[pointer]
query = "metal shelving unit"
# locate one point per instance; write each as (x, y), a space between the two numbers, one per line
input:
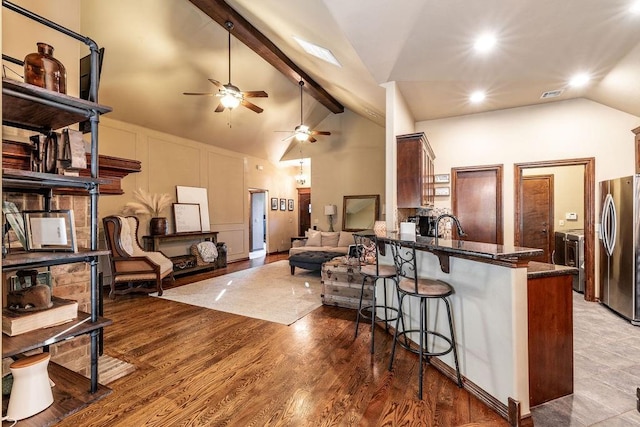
(36, 109)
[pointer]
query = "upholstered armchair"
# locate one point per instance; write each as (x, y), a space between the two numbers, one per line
(130, 264)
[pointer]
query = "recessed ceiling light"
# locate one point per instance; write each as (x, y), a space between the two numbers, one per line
(477, 96)
(579, 80)
(635, 7)
(485, 43)
(318, 51)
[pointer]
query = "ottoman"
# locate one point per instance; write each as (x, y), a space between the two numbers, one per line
(311, 260)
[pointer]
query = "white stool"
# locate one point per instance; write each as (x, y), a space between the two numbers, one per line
(31, 390)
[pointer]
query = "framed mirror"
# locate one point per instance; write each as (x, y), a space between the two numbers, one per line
(360, 212)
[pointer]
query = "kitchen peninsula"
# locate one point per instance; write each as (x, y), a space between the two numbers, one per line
(490, 308)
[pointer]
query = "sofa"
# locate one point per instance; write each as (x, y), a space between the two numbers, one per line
(325, 241)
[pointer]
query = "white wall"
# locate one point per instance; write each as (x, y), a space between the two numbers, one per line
(560, 130)
(351, 164)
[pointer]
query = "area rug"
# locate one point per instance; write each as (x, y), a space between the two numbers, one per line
(111, 368)
(268, 292)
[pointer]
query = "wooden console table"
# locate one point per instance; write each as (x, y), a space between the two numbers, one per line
(152, 243)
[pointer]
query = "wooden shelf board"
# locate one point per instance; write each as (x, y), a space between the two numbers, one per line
(28, 179)
(22, 259)
(193, 269)
(35, 114)
(12, 346)
(70, 395)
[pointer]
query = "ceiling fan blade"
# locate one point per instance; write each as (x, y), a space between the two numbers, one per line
(320, 132)
(289, 137)
(312, 139)
(219, 108)
(197, 93)
(217, 83)
(251, 106)
(255, 94)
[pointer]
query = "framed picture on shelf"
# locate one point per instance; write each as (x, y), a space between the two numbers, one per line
(15, 220)
(441, 179)
(283, 204)
(50, 231)
(442, 191)
(274, 203)
(187, 217)
(290, 204)
(23, 281)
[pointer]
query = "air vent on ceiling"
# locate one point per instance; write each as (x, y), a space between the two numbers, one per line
(551, 93)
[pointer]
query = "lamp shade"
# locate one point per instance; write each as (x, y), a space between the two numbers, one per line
(330, 210)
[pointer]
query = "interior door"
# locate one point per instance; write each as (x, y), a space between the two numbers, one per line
(536, 222)
(257, 228)
(477, 202)
(304, 211)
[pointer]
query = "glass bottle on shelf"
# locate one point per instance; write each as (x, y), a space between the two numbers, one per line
(43, 70)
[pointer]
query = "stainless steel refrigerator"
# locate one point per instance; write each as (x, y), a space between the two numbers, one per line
(620, 246)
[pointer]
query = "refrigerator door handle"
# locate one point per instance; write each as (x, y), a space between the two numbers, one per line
(609, 224)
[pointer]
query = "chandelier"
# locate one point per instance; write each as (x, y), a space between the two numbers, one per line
(300, 178)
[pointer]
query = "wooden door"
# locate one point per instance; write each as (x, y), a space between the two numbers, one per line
(304, 216)
(477, 202)
(536, 221)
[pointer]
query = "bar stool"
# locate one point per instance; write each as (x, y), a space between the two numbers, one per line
(366, 254)
(409, 284)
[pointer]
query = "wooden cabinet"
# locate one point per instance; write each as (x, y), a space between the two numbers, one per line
(414, 171)
(550, 318)
(35, 109)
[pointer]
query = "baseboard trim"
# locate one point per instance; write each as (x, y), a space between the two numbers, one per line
(510, 412)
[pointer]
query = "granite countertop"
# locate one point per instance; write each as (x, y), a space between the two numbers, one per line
(540, 269)
(465, 248)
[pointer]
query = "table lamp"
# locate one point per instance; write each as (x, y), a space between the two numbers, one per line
(330, 211)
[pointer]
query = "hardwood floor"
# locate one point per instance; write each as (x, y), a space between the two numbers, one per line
(201, 367)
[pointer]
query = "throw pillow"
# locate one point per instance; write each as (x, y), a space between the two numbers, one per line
(329, 238)
(346, 239)
(315, 238)
(208, 251)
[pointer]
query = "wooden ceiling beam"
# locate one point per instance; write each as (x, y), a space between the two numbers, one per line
(221, 12)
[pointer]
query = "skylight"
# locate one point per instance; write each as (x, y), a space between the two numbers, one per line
(318, 51)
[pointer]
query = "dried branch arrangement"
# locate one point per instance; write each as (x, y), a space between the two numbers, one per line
(147, 204)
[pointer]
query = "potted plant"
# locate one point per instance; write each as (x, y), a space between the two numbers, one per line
(152, 205)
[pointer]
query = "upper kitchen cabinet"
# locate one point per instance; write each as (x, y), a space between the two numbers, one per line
(415, 171)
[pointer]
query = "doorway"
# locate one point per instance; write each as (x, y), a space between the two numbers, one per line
(304, 210)
(588, 213)
(257, 223)
(537, 219)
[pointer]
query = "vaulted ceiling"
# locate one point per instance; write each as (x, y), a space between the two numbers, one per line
(158, 49)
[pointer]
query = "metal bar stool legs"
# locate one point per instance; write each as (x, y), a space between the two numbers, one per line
(374, 307)
(423, 332)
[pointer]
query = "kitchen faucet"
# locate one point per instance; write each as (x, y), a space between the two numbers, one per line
(461, 233)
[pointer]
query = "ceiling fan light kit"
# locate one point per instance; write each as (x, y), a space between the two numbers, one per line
(231, 96)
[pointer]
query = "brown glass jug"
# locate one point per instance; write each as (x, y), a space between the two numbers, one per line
(43, 70)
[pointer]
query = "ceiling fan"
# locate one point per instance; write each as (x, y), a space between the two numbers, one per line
(302, 132)
(230, 96)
